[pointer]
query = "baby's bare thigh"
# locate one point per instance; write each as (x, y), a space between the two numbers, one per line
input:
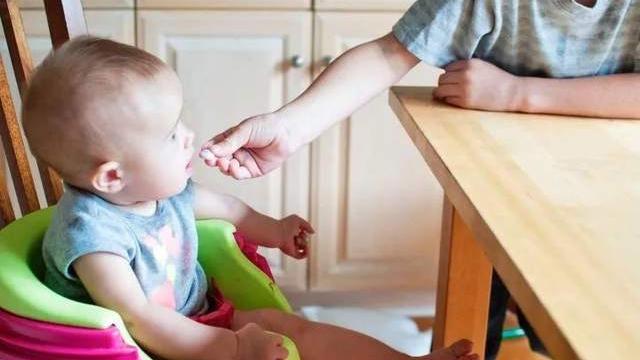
(272, 320)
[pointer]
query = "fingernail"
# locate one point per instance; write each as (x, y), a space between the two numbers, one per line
(206, 154)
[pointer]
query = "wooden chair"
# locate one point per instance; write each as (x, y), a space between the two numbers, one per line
(35, 322)
(65, 18)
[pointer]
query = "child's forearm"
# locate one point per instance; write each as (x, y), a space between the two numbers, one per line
(161, 330)
(260, 228)
(173, 336)
(257, 227)
(611, 96)
(347, 84)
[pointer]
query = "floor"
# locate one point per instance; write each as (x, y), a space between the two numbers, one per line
(517, 349)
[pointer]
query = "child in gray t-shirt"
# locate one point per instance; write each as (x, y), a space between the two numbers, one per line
(161, 247)
(572, 57)
(106, 117)
(517, 46)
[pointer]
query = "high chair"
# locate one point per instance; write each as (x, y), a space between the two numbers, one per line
(37, 323)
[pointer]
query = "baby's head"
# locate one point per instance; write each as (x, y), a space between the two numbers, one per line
(106, 117)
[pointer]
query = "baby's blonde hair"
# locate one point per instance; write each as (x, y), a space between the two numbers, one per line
(76, 95)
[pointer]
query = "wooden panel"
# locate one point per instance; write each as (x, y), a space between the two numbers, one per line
(363, 4)
(226, 4)
(554, 202)
(376, 206)
(234, 65)
(464, 286)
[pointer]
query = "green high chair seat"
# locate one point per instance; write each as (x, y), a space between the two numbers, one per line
(22, 293)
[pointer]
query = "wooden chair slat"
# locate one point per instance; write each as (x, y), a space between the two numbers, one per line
(22, 68)
(16, 42)
(51, 183)
(15, 149)
(6, 210)
(66, 20)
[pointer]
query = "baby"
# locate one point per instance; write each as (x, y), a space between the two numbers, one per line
(106, 117)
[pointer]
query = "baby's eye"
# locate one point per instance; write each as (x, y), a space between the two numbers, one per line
(174, 136)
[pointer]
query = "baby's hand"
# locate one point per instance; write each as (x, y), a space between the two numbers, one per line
(295, 231)
(257, 344)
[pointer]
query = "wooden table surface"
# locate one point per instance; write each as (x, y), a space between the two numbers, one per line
(554, 203)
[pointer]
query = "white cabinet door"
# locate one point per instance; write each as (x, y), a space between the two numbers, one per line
(363, 4)
(114, 24)
(376, 206)
(234, 64)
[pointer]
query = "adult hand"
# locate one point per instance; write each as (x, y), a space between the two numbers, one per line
(250, 149)
(477, 84)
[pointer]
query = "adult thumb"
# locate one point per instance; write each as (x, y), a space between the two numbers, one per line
(231, 140)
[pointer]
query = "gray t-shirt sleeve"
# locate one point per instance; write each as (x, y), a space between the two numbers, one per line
(439, 32)
(86, 233)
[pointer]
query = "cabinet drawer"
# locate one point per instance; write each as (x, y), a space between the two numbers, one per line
(225, 4)
(363, 4)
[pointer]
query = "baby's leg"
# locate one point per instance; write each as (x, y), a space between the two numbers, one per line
(322, 341)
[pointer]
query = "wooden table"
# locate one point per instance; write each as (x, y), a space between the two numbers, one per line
(554, 204)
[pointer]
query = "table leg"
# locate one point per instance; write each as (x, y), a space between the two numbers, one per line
(464, 285)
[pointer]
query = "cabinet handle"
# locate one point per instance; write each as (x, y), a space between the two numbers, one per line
(297, 61)
(326, 60)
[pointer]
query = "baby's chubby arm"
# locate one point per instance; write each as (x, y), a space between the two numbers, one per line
(288, 234)
(477, 84)
(111, 283)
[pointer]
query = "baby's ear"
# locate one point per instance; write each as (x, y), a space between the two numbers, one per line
(107, 178)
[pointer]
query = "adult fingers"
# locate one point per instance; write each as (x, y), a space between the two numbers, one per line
(228, 142)
(451, 77)
(457, 65)
(444, 91)
(247, 160)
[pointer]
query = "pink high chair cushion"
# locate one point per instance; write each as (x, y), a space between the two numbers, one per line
(22, 338)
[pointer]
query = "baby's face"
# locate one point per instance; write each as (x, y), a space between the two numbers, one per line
(158, 160)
